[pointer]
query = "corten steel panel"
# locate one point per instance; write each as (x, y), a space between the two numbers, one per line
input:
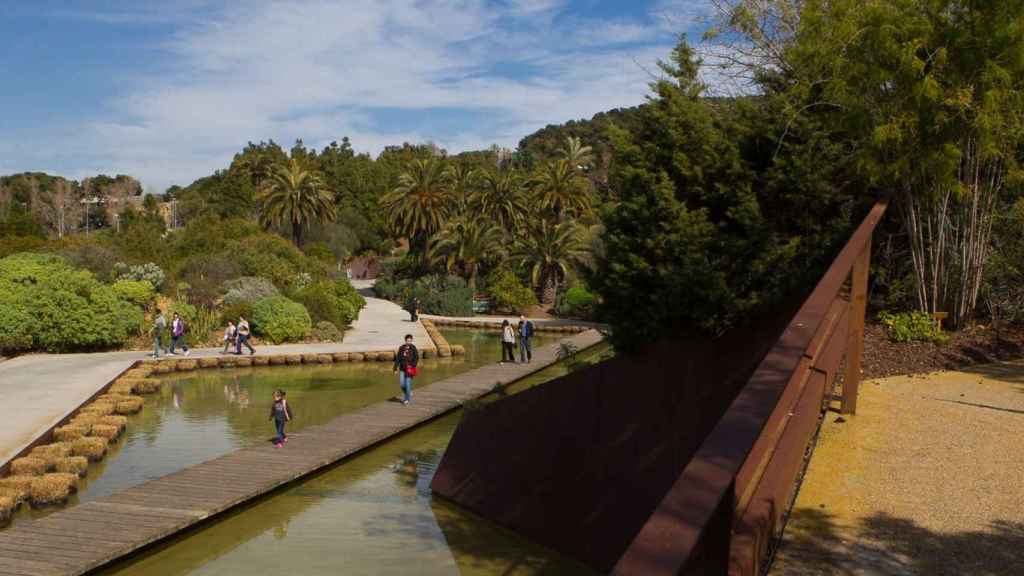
(670, 537)
(578, 464)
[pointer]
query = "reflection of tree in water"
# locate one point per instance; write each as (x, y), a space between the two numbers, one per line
(413, 466)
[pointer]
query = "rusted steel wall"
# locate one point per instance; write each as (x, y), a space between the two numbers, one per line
(753, 455)
(578, 464)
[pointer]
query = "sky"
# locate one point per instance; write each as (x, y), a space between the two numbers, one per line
(169, 91)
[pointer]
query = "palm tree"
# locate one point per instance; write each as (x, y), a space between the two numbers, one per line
(559, 188)
(502, 198)
(421, 202)
(461, 179)
(465, 242)
(549, 249)
(579, 157)
(296, 196)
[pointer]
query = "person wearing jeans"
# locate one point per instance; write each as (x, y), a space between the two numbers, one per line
(177, 335)
(159, 325)
(508, 343)
(242, 333)
(406, 360)
(525, 333)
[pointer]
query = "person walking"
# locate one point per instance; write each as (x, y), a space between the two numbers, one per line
(525, 333)
(178, 329)
(407, 358)
(414, 310)
(280, 413)
(242, 336)
(508, 342)
(159, 325)
(230, 333)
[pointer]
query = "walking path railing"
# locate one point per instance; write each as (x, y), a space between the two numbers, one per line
(727, 507)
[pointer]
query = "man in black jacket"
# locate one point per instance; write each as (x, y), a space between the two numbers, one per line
(406, 359)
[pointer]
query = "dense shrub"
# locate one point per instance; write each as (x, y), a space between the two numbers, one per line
(438, 294)
(138, 292)
(279, 319)
(93, 257)
(508, 292)
(335, 302)
(69, 308)
(577, 302)
(149, 272)
(235, 311)
(248, 289)
(911, 326)
(273, 257)
(14, 244)
(16, 324)
(320, 251)
(206, 274)
(327, 332)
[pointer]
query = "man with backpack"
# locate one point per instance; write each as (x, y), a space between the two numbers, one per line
(525, 333)
(178, 329)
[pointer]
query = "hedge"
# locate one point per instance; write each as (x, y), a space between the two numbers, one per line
(279, 319)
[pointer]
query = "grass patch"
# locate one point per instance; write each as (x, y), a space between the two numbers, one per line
(29, 466)
(7, 506)
(17, 486)
(92, 448)
(99, 408)
(71, 432)
(121, 422)
(77, 465)
(53, 450)
(140, 372)
(86, 420)
(110, 433)
(129, 405)
(52, 488)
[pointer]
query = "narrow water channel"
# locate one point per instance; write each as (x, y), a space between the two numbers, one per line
(371, 514)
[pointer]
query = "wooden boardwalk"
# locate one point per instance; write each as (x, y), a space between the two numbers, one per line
(96, 533)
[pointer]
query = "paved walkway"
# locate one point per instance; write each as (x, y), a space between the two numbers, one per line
(40, 390)
(927, 478)
(89, 535)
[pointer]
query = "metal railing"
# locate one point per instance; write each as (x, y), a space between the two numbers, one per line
(726, 507)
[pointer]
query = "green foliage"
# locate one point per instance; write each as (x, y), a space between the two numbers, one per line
(248, 289)
(295, 195)
(327, 332)
(82, 252)
(508, 292)
(138, 292)
(335, 302)
(14, 244)
(69, 308)
(273, 257)
(148, 272)
(16, 323)
(278, 319)
(235, 311)
(911, 326)
(320, 251)
(183, 309)
(576, 302)
(437, 293)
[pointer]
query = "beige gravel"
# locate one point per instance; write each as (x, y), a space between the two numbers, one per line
(927, 478)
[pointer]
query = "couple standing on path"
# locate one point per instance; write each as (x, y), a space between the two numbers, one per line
(237, 336)
(178, 330)
(508, 341)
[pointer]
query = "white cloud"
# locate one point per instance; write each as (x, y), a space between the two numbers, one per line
(314, 70)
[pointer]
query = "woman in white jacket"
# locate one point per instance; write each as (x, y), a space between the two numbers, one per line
(508, 343)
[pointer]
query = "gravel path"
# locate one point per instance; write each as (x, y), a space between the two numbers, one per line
(927, 478)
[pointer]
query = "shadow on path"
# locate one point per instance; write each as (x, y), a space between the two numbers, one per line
(883, 544)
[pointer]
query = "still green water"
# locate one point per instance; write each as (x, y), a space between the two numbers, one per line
(371, 514)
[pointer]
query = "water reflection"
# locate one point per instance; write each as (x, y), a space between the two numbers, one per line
(372, 514)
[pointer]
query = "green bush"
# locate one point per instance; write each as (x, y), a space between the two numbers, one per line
(327, 332)
(273, 257)
(438, 294)
(320, 251)
(248, 289)
(335, 302)
(138, 292)
(279, 319)
(149, 272)
(235, 311)
(911, 326)
(576, 302)
(69, 308)
(508, 292)
(16, 325)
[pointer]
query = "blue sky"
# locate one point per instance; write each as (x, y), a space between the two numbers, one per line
(169, 91)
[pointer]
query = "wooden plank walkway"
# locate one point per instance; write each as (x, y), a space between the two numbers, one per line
(93, 534)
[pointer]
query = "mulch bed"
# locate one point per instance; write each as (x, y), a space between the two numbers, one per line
(967, 347)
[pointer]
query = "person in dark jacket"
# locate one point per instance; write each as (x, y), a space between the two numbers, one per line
(525, 334)
(280, 413)
(406, 360)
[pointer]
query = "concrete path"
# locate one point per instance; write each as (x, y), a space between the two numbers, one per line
(927, 478)
(40, 390)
